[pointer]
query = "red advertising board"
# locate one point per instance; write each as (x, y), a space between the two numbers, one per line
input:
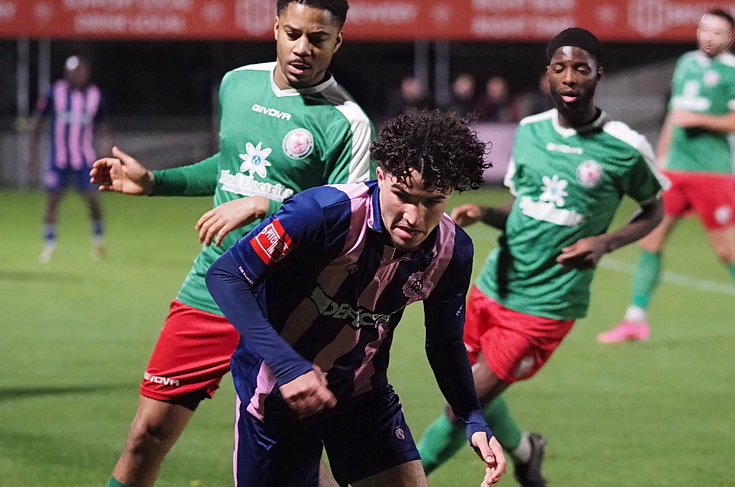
(490, 20)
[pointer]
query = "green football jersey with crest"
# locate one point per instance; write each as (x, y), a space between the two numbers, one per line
(273, 143)
(702, 85)
(568, 184)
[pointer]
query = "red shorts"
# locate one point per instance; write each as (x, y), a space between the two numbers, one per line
(192, 353)
(711, 195)
(516, 345)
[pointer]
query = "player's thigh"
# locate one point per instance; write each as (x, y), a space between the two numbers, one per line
(280, 453)
(367, 437)
(159, 419)
(409, 474)
(723, 242)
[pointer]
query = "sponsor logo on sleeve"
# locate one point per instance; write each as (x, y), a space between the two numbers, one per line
(272, 243)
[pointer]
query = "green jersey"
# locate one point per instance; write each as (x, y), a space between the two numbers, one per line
(273, 143)
(702, 85)
(567, 185)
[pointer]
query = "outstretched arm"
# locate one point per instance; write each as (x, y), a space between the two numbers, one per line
(716, 123)
(585, 253)
(122, 173)
(495, 216)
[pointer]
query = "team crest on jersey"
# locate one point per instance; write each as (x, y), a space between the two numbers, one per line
(711, 78)
(272, 243)
(255, 159)
(417, 286)
(298, 143)
(589, 173)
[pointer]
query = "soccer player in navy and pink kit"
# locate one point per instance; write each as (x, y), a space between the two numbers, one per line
(77, 110)
(285, 126)
(316, 292)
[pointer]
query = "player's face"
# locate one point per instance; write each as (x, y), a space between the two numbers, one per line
(78, 76)
(409, 212)
(573, 76)
(306, 40)
(714, 35)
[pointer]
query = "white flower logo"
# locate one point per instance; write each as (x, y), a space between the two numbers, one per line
(554, 190)
(255, 159)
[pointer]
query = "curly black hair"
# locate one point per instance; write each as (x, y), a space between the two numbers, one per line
(440, 145)
(338, 8)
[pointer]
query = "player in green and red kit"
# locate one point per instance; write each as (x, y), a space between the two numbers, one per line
(694, 150)
(570, 168)
(285, 126)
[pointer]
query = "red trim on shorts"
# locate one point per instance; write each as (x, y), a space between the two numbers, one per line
(192, 353)
(516, 345)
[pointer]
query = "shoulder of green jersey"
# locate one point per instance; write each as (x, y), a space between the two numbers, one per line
(623, 132)
(727, 58)
(268, 66)
(640, 143)
(538, 117)
(343, 102)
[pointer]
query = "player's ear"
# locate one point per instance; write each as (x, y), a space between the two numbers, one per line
(338, 43)
(276, 24)
(599, 73)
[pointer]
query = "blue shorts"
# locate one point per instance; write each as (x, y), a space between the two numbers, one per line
(362, 437)
(55, 179)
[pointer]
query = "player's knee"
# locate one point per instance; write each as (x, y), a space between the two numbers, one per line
(146, 436)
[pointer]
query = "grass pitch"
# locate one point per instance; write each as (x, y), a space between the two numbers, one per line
(76, 335)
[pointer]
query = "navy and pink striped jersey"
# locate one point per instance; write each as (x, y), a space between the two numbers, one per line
(319, 282)
(74, 114)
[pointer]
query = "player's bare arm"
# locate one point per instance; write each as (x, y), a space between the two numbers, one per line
(716, 123)
(229, 216)
(587, 252)
(495, 216)
(122, 173)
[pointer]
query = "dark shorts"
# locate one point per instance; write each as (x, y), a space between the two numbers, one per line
(192, 354)
(516, 345)
(55, 179)
(710, 195)
(362, 438)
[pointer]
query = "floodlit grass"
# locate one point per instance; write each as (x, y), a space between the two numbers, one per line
(76, 335)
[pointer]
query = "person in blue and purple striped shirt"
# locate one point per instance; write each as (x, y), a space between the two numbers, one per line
(316, 291)
(77, 110)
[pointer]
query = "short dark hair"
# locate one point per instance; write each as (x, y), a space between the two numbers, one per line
(577, 37)
(718, 12)
(440, 145)
(338, 8)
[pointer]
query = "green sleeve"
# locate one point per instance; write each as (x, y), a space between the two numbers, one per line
(199, 179)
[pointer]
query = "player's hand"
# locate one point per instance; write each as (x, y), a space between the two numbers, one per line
(466, 215)
(228, 216)
(121, 173)
(308, 394)
(492, 454)
(585, 253)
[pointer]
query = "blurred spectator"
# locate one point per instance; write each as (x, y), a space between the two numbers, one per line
(538, 100)
(496, 104)
(411, 94)
(463, 100)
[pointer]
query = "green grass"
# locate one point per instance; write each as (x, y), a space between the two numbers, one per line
(76, 335)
